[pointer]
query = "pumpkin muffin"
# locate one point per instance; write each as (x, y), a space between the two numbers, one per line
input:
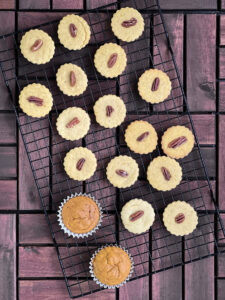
(111, 266)
(80, 215)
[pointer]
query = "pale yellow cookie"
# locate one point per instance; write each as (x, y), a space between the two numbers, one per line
(80, 163)
(154, 86)
(64, 81)
(104, 55)
(30, 49)
(122, 171)
(127, 24)
(110, 111)
(177, 141)
(180, 218)
(30, 106)
(164, 173)
(73, 123)
(141, 137)
(82, 32)
(137, 216)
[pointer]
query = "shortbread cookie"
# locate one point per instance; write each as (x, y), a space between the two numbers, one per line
(110, 111)
(180, 218)
(137, 216)
(71, 80)
(73, 123)
(141, 137)
(164, 173)
(154, 86)
(35, 100)
(37, 46)
(80, 163)
(74, 32)
(127, 24)
(177, 141)
(122, 171)
(110, 60)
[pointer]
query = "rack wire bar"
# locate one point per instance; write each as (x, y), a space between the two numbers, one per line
(153, 251)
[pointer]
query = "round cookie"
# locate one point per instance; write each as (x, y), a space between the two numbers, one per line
(65, 82)
(122, 171)
(137, 216)
(180, 218)
(154, 86)
(141, 137)
(37, 46)
(177, 141)
(164, 173)
(80, 163)
(35, 100)
(73, 123)
(127, 24)
(110, 111)
(110, 60)
(77, 37)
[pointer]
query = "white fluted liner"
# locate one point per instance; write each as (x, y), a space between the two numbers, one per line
(69, 232)
(105, 285)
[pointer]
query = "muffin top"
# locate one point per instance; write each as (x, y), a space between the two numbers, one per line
(111, 265)
(80, 214)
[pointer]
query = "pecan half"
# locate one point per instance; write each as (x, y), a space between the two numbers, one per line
(73, 30)
(155, 84)
(112, 60)
(179, 218)
(129, 23)
(72, 78)
(166, 173)
(177, 142)
(137, 215)
(109, 110)
(73, 122)
(143, 136)
(35, 100)
(121, 173)
(37, 45)
(80, 164)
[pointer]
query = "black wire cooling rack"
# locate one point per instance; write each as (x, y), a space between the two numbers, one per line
(153, 251)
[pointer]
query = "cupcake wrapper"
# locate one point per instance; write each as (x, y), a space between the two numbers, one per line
(105, 285)
(66, 230)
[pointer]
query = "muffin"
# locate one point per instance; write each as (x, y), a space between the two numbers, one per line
(141, 137)
(80, 215)
(177, 142)
(111, 266)
(137, 216)
(180, 218)
(164, 173)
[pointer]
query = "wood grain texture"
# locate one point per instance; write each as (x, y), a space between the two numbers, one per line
(222, 96)
(191, 4)
(28, 193)
(201, 61)
(8, 188)
(167, 285)
(7, 4)
(67, 4)
(55, 290)
(98, 3)
(221, 283)
(221, 162)
(34, 4)
(8, 257)
(203, 124)
(222, 30)
(138, 289)
(7, 128)
(222, 63)
(7, 162)
(222, 4)
(199, 280)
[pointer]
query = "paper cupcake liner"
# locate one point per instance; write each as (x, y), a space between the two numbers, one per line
(69, 232)
(96, 279)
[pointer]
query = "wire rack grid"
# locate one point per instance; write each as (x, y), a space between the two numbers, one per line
(153, 251)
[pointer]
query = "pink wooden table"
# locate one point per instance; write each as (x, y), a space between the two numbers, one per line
(29, 268)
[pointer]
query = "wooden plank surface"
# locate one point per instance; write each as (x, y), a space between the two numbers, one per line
(201, 58)
(221, 162)
(33, 4)
(8, 188)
